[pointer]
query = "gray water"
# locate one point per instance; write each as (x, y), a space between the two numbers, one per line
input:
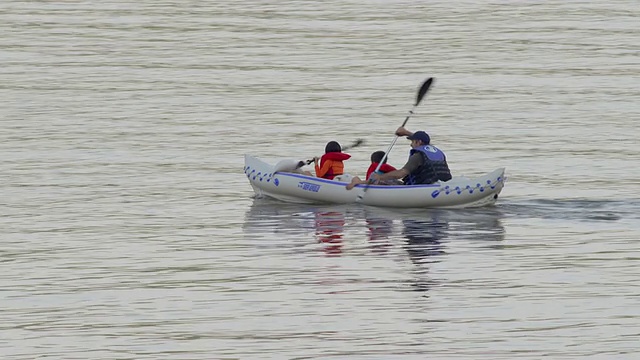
(130, 232)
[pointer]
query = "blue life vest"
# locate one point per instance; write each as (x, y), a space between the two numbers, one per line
(434, 166)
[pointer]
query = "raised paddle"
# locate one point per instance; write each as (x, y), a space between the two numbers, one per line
(421, 93)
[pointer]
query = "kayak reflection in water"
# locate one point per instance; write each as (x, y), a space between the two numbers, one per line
(379, 231)
(330, 230)
(424, 246)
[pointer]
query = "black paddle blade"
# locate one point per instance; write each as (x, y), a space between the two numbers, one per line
(356, 143)
(423, 90)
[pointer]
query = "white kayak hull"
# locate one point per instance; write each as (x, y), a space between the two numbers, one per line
(459, 192)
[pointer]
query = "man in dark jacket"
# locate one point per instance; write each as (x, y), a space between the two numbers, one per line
(426, 165)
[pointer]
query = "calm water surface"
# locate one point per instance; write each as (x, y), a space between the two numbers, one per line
(130, 232)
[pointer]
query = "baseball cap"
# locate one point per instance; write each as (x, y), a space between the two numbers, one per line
(420, 135)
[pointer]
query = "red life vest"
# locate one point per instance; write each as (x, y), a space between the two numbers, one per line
(385, 168)
(331, 165)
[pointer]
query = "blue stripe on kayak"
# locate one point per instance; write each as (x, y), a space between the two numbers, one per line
(326, 181)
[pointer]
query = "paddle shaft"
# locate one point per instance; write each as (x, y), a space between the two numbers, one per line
(424, 88)
(386, 154)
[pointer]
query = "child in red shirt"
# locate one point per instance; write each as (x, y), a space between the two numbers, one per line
(376, 157)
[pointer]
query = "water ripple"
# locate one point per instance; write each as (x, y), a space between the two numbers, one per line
(130, 232)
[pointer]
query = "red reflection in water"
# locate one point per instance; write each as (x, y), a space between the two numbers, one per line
(330, 230)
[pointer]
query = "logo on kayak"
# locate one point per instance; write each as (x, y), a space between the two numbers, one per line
(308, 186)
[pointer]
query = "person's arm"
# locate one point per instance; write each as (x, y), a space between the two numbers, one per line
(403, 132)
(412, 164)
(396, 174)
(322, 171)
